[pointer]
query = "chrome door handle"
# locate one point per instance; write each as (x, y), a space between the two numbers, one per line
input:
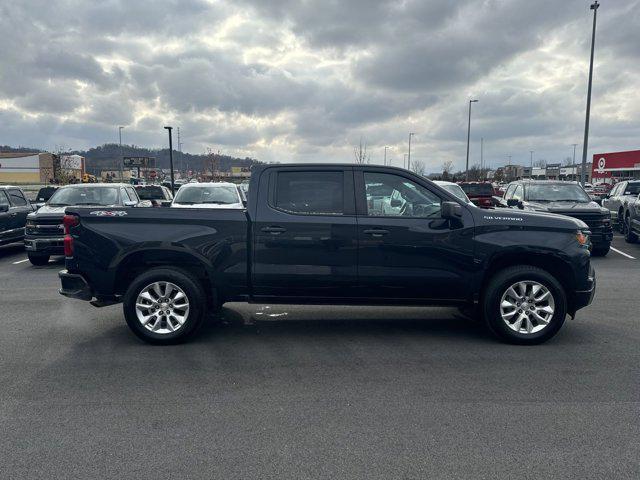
(376, 232)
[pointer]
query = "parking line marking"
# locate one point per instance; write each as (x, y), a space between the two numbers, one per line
(20, 261)
(623, 254)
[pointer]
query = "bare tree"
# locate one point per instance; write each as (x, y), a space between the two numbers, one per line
(541, 163)
(360, 152)
(567, 162)
(447, 168)
(210, 163)
(418, 167)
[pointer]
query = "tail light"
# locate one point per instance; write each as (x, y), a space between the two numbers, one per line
(69, 221)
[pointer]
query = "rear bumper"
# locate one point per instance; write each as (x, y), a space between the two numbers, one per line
(74, 286)
(583, 298)
(47, 245)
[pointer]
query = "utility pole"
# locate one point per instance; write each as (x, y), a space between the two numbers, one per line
(481, 153)
(574, 153)
(385, 156)
(468, 137)
(404, 161)
(409, 157)
(583, 170)
(121, 155)
(173, 190)
(531, 161)
(179, 149)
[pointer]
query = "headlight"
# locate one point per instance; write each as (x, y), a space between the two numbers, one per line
(583, 238)
(30, 224)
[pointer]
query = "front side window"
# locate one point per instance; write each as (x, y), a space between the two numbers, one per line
(4, 200)
(17, 199)
(403, 197)
(310, 193)
(509, 193)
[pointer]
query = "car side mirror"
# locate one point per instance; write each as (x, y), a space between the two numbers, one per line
(395, 202)
(4, 208)
(451, 211)
(512, 202)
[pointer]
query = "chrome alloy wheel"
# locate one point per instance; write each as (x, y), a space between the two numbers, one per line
(527, 307)
(162, 307)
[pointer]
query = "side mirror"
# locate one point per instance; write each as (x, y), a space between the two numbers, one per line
(395, 202)
(513, 202)
(451, 211)
(4, 208)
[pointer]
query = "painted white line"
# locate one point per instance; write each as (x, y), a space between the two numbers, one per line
(623, 254)
(21, 261)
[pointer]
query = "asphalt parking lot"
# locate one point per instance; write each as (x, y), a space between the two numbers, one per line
(371, 393)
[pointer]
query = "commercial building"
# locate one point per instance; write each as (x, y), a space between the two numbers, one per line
(615, 166)
(29, 167)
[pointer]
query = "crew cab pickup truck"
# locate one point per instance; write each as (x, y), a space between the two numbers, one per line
(620, 200)
(44, 231)
(14, 208)
(311, 235)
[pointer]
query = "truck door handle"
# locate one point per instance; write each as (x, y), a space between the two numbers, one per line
(273, 230)
(376, 232)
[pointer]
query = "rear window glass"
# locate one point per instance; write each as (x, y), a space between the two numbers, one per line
(310, 193)
(477, 188)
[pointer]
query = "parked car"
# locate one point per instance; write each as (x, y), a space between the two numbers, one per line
(618, 200)
(44, 194)
(453, 188)
(480, 193)
(600, 192)
(309, 235)
(158, 195)
(209, 195)
(14, 208)
(44, 233)
(632, 221)
(565, 198)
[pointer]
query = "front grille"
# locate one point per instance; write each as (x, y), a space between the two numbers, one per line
(596, 222)
(49, 227)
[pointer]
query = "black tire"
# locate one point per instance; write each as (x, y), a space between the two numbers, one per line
(499, 284)
(194, 292)
(601, 251)
(621, 225)
(38, 259)
(629, 235)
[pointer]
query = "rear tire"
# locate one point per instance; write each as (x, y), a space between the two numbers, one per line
(601, 251)
(38, 259)
(158, 321)
(629, 235)
(508, 330)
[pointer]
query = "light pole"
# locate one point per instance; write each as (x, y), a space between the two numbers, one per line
(574, 153)
(171, 158)
(409, 156)
(404, 161)
(385, 156)
(531, 161)
(468, 137)
(481, 154)
(583, 170)
(121, 155)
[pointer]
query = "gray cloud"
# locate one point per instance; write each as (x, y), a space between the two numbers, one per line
(286, 79)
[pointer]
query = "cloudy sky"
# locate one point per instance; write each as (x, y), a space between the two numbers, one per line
(285, 80)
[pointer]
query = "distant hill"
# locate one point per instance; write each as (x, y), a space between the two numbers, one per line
(107, 157)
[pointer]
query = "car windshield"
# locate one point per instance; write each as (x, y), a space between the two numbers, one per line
(150, 193)
(84, 196)
(457, 191)
(216, 194)
(557, 193)
(477, 189)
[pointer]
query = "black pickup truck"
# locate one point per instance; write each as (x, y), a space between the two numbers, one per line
(316, 234)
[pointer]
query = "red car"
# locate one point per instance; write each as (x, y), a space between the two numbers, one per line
(480, 193)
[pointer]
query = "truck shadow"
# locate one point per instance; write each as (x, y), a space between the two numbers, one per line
(11, 249)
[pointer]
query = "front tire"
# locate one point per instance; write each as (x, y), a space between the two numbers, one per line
(164, 306)
(524, 305)
(38, 259)
(629, 235)
(601, 251)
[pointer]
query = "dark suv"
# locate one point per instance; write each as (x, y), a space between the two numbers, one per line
(14, 208)
(564, 198)
(44, 232)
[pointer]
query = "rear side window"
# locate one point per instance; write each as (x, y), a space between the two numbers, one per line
(518, 193)
(17, 199)
(4, 200)
(310, 193)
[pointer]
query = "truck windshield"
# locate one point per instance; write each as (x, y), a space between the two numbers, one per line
(84, 196)
(217, 194)
(477, 189)
(557, 193)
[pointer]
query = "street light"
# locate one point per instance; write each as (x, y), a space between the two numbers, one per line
(385, 156)
(583, 171)
(409, 156)
(121, 155)
(468, 137)
(171, 158)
